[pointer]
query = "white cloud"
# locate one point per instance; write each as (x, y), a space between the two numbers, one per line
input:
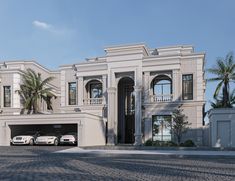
(42, 25)
(58, 31)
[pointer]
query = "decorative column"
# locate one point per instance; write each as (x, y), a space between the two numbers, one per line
(111, 115)
(104, 88)
(80, 91)
(146, 87)
(138, 116)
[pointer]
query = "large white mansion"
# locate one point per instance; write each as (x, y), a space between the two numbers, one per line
(124, 97)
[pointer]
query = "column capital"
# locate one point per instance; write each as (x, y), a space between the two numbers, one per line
(104, 76)
(111, 90)
(147, 73)
(176, 71)
(80, 78)
(138, 88)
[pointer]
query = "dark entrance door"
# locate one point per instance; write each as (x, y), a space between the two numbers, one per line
(129, 130)
(126, 114)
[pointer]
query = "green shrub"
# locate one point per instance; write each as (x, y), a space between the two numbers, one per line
(171, 143)
(188, 143)
(160, 143)
(149, 142)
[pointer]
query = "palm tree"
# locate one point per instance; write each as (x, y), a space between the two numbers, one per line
(225, 73)
(33, 89)
(219, 101)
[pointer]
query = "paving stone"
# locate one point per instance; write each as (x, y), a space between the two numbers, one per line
(42, 164)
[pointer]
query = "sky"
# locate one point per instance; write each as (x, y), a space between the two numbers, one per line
(57, 32)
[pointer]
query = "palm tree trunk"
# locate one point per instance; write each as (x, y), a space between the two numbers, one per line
(225, 94)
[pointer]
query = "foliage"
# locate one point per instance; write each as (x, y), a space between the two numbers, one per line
(224, 72)
(219, 101)
(179, 124)
(149, 142)
(158, 143)
(33, 89)
(188, 143)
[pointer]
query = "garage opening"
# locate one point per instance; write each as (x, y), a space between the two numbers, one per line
(57, 129)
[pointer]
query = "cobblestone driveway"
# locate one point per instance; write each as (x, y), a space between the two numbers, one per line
(40, 163)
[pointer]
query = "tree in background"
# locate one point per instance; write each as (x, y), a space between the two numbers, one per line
(180, 124)
(33, 89)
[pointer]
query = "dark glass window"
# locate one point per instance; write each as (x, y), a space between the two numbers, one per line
(161, 128)
(187, 87)
(72, 93)
(95, 90)
(7, 96)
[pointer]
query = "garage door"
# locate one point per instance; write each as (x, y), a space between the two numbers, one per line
(57, 129)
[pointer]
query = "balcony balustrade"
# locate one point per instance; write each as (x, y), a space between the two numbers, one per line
(93, 101)
(161, 98)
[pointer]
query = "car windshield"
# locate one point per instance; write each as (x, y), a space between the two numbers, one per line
(29, 133)
(71, 133)
(49, 134)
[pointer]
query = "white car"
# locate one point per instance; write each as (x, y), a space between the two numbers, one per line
(47, 139)
(69, 138)
(27, 138)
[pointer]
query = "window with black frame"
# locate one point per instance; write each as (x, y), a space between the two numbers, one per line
(161, 128)
(187, 87)
(72, 93)
(7, 96)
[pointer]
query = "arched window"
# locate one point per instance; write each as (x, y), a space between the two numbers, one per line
(94, 92)
(162, 88)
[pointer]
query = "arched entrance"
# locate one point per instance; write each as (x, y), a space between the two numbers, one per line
(126, 111)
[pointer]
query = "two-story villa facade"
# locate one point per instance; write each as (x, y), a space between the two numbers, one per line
(124, 97)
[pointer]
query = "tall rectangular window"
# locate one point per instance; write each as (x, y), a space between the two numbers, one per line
(187, 87)
(161, 128)
(72, 93)
(7, 96)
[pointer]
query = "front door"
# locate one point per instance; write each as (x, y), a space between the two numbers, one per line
(129, 130)
(126, 114)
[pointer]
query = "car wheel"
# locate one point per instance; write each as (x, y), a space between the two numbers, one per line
(31, 142)
(56, 142)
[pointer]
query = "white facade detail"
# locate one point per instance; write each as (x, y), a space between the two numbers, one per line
(16, 86)
(222, 127)
(127, 89)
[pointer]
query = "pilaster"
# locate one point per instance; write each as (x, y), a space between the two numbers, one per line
(104, 88)
(176, 85)
(111, 115)
(80, 91)
(146, 86)
(138, 116)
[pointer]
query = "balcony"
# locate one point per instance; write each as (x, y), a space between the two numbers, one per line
(161, 98)
(93, 101)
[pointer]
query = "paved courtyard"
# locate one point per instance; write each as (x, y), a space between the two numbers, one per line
(42, 163)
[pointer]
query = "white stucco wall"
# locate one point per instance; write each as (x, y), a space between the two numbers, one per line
(91, 128)
(222, 127)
